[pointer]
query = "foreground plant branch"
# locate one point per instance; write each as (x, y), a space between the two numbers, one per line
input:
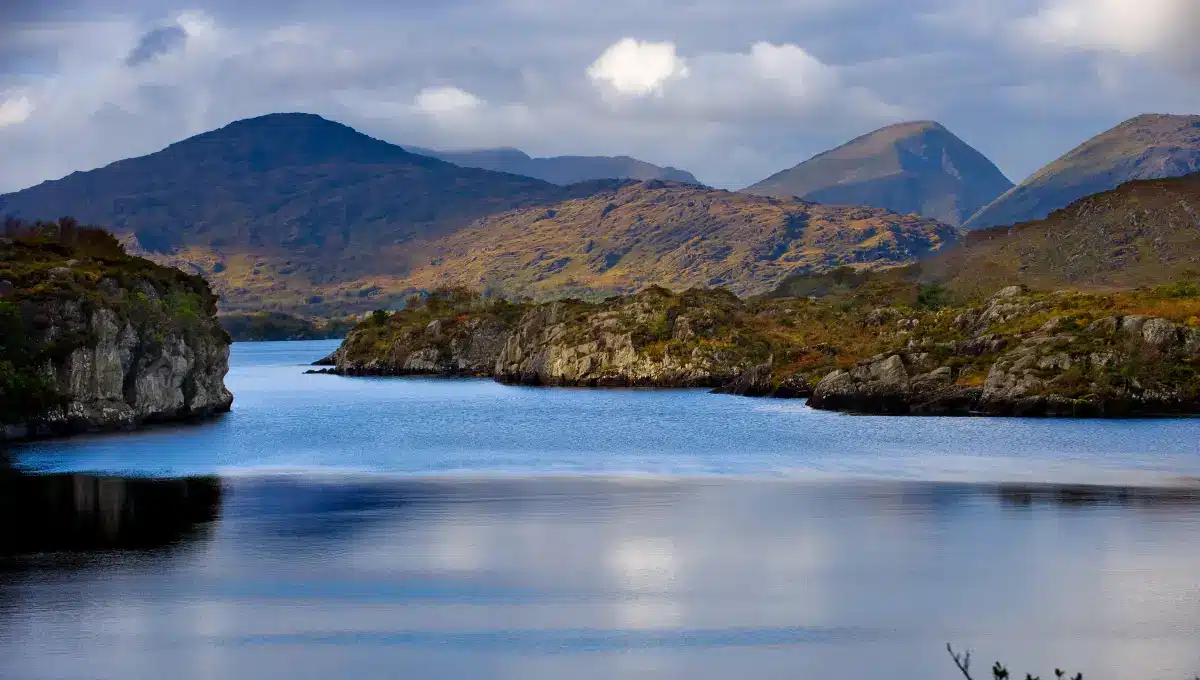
(999, 671)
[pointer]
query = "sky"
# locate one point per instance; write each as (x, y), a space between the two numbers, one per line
(731, 90)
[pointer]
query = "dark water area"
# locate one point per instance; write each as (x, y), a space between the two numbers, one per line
(461, 529)
(79, 512)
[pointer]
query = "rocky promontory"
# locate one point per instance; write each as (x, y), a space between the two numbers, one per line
(450, 332)
(1026, 354)
(95, 339)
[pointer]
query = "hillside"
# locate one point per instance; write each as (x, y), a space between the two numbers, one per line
(674, 235)
(313, 199)
(1142, 233)
(919, 167)
(1145, 147)
(562, 170)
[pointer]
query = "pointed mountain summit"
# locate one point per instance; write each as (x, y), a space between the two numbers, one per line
(1151, 146)
(559, 169)
(918, 167)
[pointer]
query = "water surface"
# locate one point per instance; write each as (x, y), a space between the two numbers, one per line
(377, 528)
(283, 419)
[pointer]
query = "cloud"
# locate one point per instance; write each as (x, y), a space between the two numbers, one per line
(156, 43)
(445, 100)
(15, 110)
(1165, 28)
(766, 82)
(731, 92)
(635, 68)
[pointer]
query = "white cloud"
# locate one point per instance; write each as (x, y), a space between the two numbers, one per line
(197, 24)
(445, 100)
(768, 82)
(635, 68)
(15, 110)
(1136, 28)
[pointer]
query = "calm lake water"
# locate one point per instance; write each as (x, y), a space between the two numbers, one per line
(462, 529)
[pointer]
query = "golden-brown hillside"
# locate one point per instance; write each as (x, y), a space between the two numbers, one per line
(1142, 233)
(675, 235)
(618, 241)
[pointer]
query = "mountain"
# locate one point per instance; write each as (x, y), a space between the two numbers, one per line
(284, 187)
(559, 169)
(674, 235)
(1146, 147)
(1142, 233)
(918, 167)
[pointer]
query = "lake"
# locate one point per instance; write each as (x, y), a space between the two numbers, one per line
(378, 528)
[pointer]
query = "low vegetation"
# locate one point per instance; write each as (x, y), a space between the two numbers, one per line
(261, 326)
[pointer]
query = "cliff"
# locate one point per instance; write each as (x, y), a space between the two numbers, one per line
(94, 339)
(656, 338)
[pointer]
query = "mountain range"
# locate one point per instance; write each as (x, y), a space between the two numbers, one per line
(918, 167)
(296, 212)
(292, 181)
(559, 169)
(1150, 146)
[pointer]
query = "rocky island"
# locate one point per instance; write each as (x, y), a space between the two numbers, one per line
(877, 344)
(93, 339)
(655, 338)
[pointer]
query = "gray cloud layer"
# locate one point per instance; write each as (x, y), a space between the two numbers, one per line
(730, 91)
(155, 43)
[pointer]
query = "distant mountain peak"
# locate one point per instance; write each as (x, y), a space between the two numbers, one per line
(912, 167)
(562, 170)
(1148, 146)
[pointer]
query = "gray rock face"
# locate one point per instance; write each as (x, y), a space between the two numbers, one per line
(893, 386)
(759, 381)
(444, 347)
(124, 374)
(1115, 366)
(555, 344)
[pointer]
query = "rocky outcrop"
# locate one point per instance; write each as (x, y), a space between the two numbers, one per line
(105, 343)
(760, 381)
(653, 339)
(451, 332)
(1070, 365)
(444, 347)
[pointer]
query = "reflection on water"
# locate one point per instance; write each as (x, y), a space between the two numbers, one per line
(592, 578)
(46, 513)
